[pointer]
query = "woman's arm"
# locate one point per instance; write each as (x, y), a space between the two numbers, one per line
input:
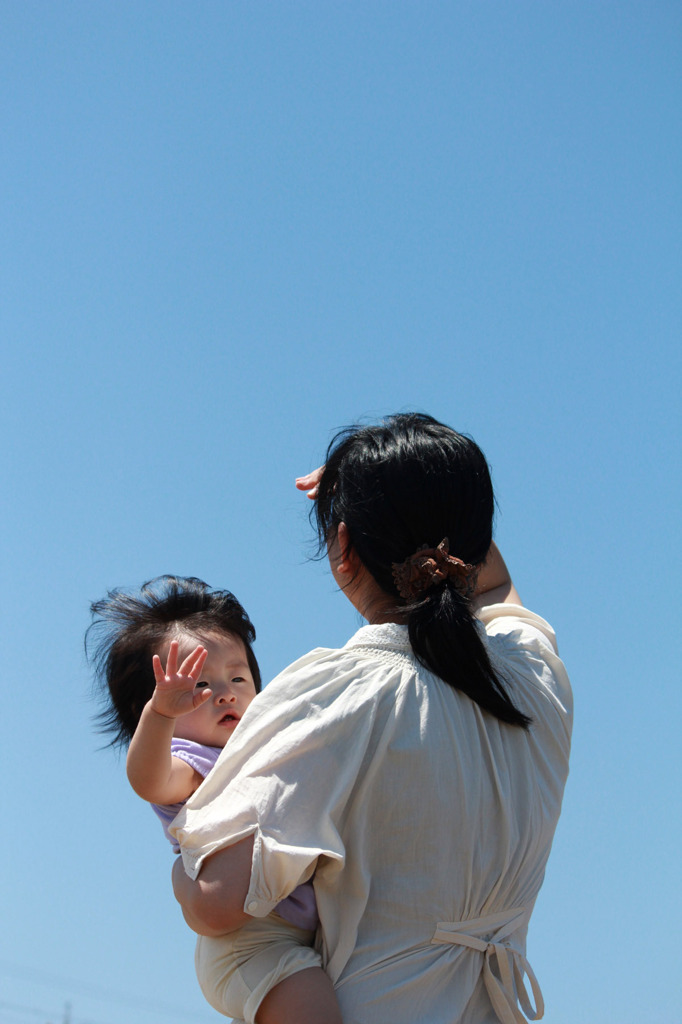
(153, 772)
(494, 584)
(214, 903)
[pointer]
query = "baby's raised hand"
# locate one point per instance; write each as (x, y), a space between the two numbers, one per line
(175, 692)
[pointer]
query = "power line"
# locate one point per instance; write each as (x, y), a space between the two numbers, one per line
(16, 1008)
(155, 1006)
(45, 1016)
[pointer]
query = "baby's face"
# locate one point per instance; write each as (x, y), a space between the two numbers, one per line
(226, 672)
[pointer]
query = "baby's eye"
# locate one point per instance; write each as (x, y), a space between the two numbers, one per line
(238, 679)
(201, 685)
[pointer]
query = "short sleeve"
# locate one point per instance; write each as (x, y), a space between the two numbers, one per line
(505, 618)
(199, 757)
(523, 645)
(286, 776)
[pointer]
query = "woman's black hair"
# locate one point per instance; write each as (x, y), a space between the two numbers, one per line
(127, 628)
(404, 484)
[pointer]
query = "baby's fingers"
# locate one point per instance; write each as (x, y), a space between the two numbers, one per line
(159, 674)
(194, 662)
(201, 696)
(172, 659)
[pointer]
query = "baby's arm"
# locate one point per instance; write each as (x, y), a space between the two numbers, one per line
(153, 772)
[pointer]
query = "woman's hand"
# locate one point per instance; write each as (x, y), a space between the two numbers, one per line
(176, 692)
(310, 482)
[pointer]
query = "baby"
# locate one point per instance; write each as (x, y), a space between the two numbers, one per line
(176, 720)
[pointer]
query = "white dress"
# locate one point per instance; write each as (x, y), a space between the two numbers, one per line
(427, 821)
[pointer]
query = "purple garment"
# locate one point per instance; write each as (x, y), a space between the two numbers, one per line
(300, 908)
(197, 756)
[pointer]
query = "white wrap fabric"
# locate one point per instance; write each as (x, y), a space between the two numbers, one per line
(489, 935)
(410, 804)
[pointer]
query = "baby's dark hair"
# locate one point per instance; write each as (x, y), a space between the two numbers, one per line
(128, 628)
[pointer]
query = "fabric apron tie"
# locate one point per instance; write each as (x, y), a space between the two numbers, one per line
(511, 963)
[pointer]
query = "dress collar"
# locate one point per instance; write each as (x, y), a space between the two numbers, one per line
(385, 636)
(392, 636)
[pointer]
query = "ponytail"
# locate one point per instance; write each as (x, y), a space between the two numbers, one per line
(446, 641)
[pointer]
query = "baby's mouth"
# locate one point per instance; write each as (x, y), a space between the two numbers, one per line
(229, 717)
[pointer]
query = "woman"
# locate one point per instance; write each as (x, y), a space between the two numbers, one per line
(417, 772)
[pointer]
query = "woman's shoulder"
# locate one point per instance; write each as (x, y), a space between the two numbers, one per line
(368, 643)
(359, 671)
(523, 648)
(507, 619)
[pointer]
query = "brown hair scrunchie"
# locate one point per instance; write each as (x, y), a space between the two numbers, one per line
(429, 567)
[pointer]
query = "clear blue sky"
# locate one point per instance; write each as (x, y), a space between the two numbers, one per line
(230, 228)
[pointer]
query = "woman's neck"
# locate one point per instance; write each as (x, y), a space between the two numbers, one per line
(373, 603)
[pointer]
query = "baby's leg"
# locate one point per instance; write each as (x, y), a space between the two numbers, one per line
(304, 998)
(266, 973)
